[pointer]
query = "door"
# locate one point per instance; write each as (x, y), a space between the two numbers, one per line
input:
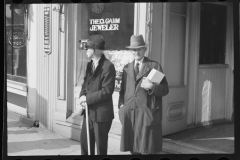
(175, 55)
(212, 71)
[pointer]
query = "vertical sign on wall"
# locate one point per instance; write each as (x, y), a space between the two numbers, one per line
(47, 38)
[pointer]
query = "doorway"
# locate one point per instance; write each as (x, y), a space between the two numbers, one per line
(213, 68)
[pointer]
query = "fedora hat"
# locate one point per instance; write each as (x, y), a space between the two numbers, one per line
(136, 41)
(96, 42)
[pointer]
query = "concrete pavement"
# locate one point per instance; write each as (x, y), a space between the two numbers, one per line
(26, 140)
(23, 139)
(217, 136)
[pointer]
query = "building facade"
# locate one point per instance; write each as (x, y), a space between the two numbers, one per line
(192, 41)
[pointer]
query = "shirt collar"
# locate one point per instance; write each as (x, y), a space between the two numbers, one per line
(95, 62)
(140, 62)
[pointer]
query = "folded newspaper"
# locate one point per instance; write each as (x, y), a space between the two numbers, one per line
(155, 76)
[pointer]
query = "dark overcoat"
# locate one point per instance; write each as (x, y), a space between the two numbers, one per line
(98, 88)
(141, 115)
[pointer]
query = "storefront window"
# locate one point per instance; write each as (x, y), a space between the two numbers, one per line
(115, 22)
(15, 43)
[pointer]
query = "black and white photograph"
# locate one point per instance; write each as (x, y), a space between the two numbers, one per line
(117, 78)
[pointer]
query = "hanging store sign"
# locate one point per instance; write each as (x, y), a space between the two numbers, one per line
(17, 37)
(47, 33)
(108, 24)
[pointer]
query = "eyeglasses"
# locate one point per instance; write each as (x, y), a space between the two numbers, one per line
(137, 49)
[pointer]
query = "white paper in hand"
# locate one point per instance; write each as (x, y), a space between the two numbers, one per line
(155, 76)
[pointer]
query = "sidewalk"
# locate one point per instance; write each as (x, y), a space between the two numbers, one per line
(26, 140)
(218, 136)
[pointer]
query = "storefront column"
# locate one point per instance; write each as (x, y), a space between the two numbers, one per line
(32, 60)
(46, 65)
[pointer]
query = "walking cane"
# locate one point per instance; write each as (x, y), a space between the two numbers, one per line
(87, 125)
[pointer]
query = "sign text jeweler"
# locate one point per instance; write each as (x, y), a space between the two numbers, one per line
(108, 24)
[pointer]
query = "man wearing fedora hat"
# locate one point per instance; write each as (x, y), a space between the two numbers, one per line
(140, 103)
(97, 90)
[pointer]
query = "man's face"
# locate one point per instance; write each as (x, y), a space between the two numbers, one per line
(90, 52)
(138, 53)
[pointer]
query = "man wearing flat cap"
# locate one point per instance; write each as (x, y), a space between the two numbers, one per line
(97, 90)
(140, 103)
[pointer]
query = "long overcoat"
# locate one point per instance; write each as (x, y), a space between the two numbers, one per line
(141, 114)
(98, 89)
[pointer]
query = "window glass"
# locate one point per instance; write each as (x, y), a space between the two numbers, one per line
(15, 43)
(212, 34)
(115, 22)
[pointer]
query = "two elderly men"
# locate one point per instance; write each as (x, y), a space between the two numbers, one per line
(140, 100)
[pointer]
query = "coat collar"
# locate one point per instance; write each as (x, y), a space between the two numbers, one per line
(100, 63)
(131, 70)
(146, 66)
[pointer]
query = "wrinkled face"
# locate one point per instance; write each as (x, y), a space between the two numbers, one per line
(90, 52)
(138, 53)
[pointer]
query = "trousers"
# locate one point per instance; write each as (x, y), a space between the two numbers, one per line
(98, 132)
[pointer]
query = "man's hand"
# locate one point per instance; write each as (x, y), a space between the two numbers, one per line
(146, 83)
(83, 105)
(82, 100)
(79, 108)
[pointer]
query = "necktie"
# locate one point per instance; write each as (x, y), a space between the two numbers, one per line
(136, 69)
(93, 68)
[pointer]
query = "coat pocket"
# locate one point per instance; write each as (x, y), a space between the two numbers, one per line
(151, 116)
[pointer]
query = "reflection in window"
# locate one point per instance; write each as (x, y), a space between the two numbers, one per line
(15, 43)
(115, 22)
